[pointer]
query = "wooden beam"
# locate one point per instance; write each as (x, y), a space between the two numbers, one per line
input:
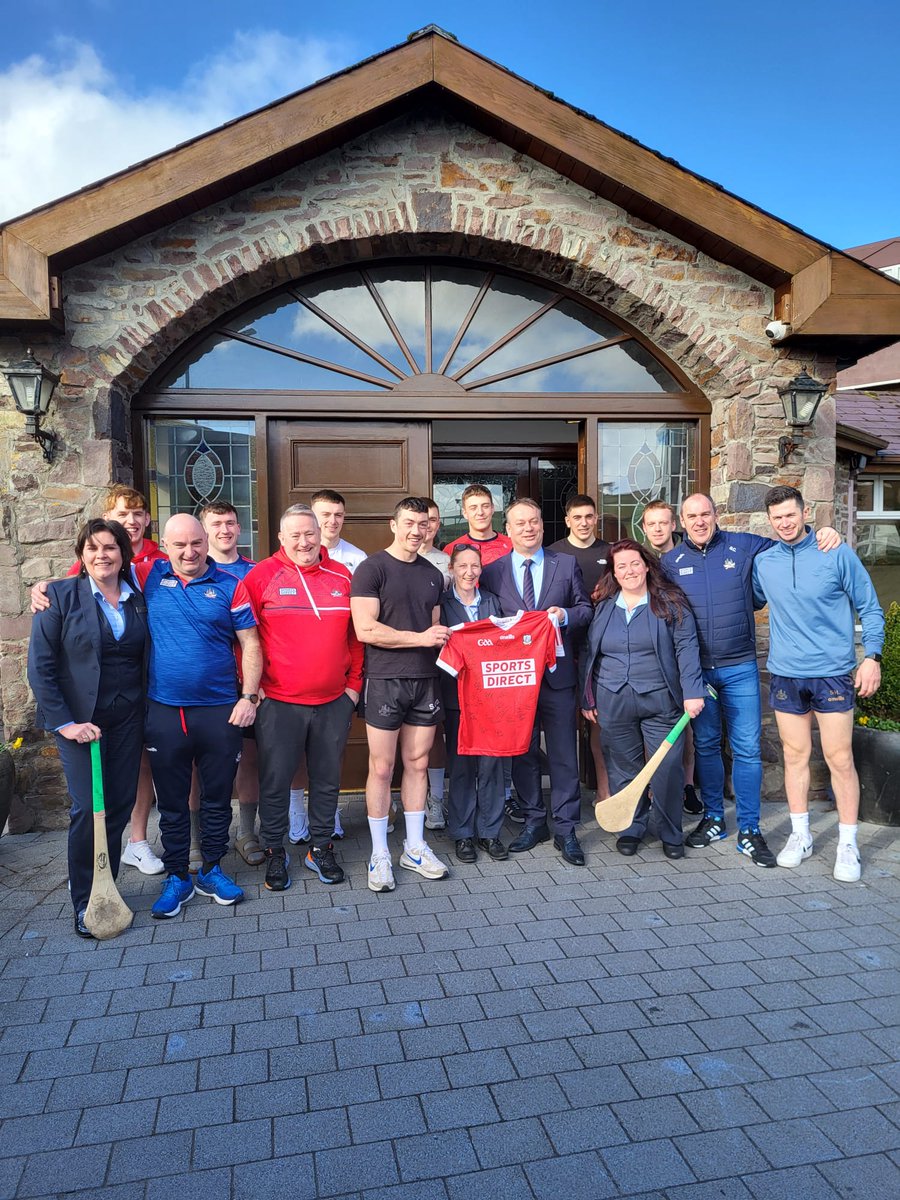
(837, 296)
(24, 281)
(240, 145)
(487, 86)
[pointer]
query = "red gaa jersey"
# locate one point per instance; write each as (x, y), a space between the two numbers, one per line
(500, 663)
(491, 548)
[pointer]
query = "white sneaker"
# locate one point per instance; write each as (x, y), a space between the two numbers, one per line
(381, 873)
(795, 851)
(338, 827)
(422, 860)
(434, 812)
(299, 824)
(139, 854)
(846, 864)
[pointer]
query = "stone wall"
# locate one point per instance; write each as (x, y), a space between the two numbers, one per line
(413, 187)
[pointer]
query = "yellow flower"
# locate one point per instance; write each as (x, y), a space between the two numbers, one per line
(18, 743)
(862, 720)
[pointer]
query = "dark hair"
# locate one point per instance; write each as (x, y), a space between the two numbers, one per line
(123, 541)
(475, 489)
(412, 504)
(781, 495)
(580, 500)
(329, 497)
(218, 508)
(667, 600)
(459, 548)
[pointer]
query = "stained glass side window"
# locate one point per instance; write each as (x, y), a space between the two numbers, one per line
(640, 461)
(196, 461)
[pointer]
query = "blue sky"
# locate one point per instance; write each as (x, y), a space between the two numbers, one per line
(792, 106)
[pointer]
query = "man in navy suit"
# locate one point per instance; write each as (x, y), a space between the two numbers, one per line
(530, 577)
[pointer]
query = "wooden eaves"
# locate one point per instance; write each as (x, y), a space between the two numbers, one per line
(822, 292)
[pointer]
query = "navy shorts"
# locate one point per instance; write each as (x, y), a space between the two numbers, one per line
(390, 703)
(833, 693)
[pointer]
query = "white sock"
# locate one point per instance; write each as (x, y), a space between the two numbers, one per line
(298, 799)
(436, 782)
(847, 835)
(378, 830)
(415, 828)
(800, 824)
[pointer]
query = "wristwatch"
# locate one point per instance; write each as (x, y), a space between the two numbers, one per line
(874, 657)
(253, 697)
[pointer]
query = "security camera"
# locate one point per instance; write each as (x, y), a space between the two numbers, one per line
(777, 331)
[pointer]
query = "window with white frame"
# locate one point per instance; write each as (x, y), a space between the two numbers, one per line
(878, 533)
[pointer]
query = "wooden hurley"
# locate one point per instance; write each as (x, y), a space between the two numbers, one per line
(106, 914)
(617, 812)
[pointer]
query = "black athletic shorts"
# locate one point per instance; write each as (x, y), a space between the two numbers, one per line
(835, 693)
(390, 703)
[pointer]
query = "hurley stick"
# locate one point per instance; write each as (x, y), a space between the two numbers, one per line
(107, 913)
(617, 812)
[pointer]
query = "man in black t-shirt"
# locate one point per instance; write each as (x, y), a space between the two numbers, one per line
(394, 599)
(591, 555)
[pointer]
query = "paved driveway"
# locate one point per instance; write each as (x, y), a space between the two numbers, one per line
(525, 1029)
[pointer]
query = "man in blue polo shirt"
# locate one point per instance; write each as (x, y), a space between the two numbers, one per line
(197, 612)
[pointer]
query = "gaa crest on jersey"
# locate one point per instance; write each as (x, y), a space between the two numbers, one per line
(729, 564)
(336, 592)
(211, 593)
(526, 639)
(781, 694)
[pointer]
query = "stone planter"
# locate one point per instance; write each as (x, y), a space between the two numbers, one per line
(877, 755)
(7, 785)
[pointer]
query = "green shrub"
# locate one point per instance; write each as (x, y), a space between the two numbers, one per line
(884, 706)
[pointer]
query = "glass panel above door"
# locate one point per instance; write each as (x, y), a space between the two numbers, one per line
(640, 461)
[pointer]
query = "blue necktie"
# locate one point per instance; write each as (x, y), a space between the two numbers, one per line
(528, 586)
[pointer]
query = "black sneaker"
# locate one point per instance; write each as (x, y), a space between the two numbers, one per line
(710, 829)
(693, 805)
(752, 843)
(277, 878)
(321, 860)
(513, 812)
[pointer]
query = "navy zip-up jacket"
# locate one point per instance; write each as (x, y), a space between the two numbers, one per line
(718, 581)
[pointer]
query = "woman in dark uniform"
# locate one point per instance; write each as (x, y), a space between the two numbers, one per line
(639, 672)
(476, 797)
(87, 669)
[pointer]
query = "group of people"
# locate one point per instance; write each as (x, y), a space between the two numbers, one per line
(195, 660)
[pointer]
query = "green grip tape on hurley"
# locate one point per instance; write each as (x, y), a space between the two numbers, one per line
(96, 778)
(675, 733)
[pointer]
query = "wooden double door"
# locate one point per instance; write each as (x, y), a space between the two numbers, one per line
(373, 464)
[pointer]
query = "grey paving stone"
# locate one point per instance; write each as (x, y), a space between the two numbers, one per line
(717, 1189)
(793, 1183)
(661, 1077)
(646, 1165)
(302, 1132)
(730, 1153)
(577, 1176)
(792, 1143)
(479, 1066)
(80, 1167)
(135, 1052)
(459, 1108)
(860, 1131)
(435, 1155)
(853, 1087)
(381, 1120)
(583, 1129)
(193, 1110)
(24, 1099)
(292, 1176)
(143, 1158)
(50, 1064)
(498, 1031)
(26, 1135)
(501, 1183)
(783, 1099)
(432, 1189)
(351, 1168)
(225, 1145)
(276, 1098)
(148, 1082)
(369, 1050)
(529, 1098)
(606, 1049)
(412, 1078)
(108, 1123)
(292, 1062)
(723, 1108)
(872, 1176)
(510, 1142)
(440, 1041)
(644, 1120)
(510, 1001)
(199, 1185)
(10, 1173)
(231, 1070)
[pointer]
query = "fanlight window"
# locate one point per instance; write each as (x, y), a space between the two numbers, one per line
(376, 328)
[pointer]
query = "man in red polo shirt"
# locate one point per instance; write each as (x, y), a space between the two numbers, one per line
(312, 676)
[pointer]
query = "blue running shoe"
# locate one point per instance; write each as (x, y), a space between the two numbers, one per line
(175, 893)
(216, 883)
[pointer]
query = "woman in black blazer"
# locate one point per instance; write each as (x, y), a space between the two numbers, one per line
(475, 804)
(640, 671)
(87, 669)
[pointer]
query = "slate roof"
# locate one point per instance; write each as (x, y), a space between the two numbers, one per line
(877, 413)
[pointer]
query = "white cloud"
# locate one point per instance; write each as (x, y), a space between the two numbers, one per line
(66, 120)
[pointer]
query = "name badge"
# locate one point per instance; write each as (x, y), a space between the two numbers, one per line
(287, 591)
(168, 583)
(685, 570)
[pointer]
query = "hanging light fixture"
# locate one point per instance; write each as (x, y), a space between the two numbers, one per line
(32, 386)
(800, 400)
